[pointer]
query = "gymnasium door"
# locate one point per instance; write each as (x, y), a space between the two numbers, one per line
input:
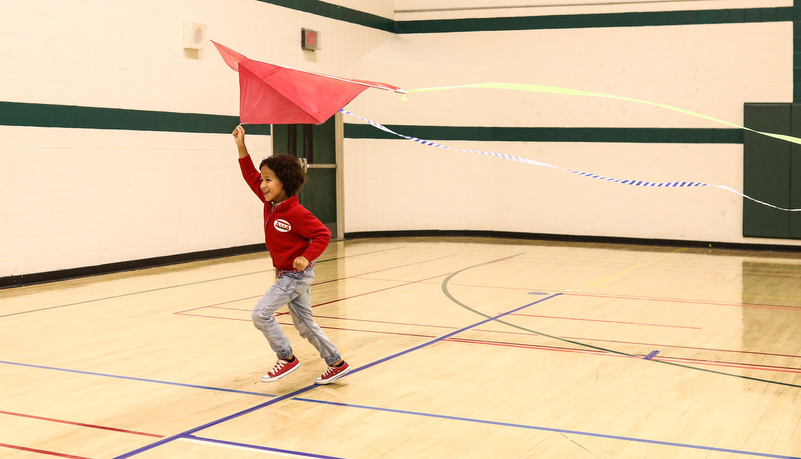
(319, 146)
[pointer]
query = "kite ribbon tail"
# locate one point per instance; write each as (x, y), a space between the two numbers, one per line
(785, 209)
(584, 174)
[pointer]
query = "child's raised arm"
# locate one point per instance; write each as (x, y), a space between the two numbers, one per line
(239, 139)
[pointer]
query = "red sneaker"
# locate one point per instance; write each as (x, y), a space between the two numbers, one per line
(333, 373)
(281, 369)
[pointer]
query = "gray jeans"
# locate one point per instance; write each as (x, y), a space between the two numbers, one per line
(294, 290)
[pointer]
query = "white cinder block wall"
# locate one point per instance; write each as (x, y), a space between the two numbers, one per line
(708, 69)
(84, 197)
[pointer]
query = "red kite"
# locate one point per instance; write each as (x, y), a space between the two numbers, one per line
(271, 94)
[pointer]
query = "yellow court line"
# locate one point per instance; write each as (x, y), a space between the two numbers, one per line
(636, 267)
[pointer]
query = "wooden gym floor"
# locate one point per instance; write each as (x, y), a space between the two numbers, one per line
(465, 348)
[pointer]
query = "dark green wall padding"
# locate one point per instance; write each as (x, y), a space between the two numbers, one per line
(551, 134)
(319, 194)
(772, 171)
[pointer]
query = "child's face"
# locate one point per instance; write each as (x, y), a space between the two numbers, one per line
(272, 188)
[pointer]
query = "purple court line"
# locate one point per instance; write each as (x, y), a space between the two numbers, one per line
(131, 378)
(195, 438)
(550, 429)
(651, 355)
(191, 432)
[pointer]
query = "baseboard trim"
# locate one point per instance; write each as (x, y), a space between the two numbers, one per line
(65, 274)
(577, 238)
(86, 271)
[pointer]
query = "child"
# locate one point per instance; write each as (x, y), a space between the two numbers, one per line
(295, 238)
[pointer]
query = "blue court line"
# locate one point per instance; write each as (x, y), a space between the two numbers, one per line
(550, 429)
(261, 448)
(291, 395)
(131, 378)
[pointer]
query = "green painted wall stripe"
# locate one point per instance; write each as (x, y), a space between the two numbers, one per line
(566, 21)
(71, 116)
(78, 117)
(580, 21)
(539, 134)
(337, 12)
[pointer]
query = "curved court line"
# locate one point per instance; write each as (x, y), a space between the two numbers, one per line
(520, 159)
(497, 319)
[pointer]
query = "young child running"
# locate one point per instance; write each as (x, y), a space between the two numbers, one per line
(295, 238)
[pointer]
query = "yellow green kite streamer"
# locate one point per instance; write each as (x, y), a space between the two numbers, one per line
(577, 92)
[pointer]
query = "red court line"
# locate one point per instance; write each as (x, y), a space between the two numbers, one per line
(369, 293)
(661, 345)
(504, 332)
(41, 451)
(321, 326)
(381, 270)
(391, 323)
(329, 281)
(747, 366)
(554, 348)
(217, 304)
(675, 300)
(358, 320)
(227, 309)
(210, 317)
(315, 305)
(415, 335)
(538, 347)
(606, 321)
(93, 426)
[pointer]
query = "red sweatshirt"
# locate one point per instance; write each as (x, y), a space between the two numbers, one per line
(291, 230)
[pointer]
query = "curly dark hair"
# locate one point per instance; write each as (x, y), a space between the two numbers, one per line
(288, 170)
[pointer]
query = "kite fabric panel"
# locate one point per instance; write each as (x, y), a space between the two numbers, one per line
(272, 94)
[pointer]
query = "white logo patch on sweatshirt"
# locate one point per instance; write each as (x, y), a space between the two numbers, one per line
(282, 225)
